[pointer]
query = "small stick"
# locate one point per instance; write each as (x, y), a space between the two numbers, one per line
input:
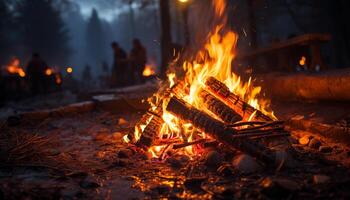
(264, 134)
(273, 123)
(178, 146)
(271, 135)
(245, 123)
(260, 131)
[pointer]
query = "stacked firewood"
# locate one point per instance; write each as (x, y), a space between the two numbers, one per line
(225, 119)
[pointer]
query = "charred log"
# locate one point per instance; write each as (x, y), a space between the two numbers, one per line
(220, 109)
(222, 92)
(218, 130)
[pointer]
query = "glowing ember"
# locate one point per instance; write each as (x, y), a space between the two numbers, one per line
(214, 60)
(148, 71)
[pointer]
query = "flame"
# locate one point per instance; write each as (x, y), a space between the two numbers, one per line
(302, 61)
(15, 68)
(214, 60)
(148, 71)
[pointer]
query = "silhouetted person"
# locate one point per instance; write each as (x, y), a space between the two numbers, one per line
(36, 71)
(120, 67)
(138, 58)
(87, 76)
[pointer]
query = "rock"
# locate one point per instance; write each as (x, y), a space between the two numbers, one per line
(194, 184)
(162, 189)
(121, 163)
(226, 170)
(285, 158)
(125, 153)
(325, 149)
(177, 162)
(117, 136)
(320, 179)
(305, 140)
(278, 187)
(89, 183)
(213, 159)
(122, 122)
(54, 152)
(13, 121)
(314, 143)
(246, 164)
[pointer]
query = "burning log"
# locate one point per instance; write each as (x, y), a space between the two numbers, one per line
(220, 109)
(150, 132)
(221, 91)
(218, 130)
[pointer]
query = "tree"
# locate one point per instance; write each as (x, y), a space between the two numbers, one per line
(95, 40)
(165, 35)
(5, 18)
(42, 30)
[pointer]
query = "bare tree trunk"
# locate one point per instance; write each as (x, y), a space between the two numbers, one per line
(165, 35)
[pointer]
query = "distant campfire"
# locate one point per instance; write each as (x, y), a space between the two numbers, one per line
(14, 67)
(149, 70)
(208, 104)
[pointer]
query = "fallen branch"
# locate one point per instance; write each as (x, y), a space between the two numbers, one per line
(179, 146)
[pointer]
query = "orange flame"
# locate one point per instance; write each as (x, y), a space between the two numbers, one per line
(148, 71)
(214, 60)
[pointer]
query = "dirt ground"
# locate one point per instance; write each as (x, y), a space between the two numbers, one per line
(83, 157)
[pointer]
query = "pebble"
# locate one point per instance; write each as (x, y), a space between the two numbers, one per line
(89, 183)
(305, 140)
(125, 153)
(314, 143)
(213, 159)
(278, 187)
(320, 179)
(194, 184)
(246, 164)
(325, 149)
(122, 122)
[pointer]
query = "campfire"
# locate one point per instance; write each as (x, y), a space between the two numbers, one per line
(148, 71)
(14, 67)
(208, 104)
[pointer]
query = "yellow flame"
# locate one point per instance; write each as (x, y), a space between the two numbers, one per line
(302, 61)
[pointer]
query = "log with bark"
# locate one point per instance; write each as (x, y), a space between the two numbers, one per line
(221, 91)
(218, 108)
(219, 130)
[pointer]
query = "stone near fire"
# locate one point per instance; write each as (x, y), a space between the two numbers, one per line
(284, 159)
(125, 153)
(305, 140)
(278, 187)
(213, 159)
(122, 122)
(246, 164)
(320, 179)
(325, 149)
(314, 143)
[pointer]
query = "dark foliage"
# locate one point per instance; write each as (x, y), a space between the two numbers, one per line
(42, 30)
